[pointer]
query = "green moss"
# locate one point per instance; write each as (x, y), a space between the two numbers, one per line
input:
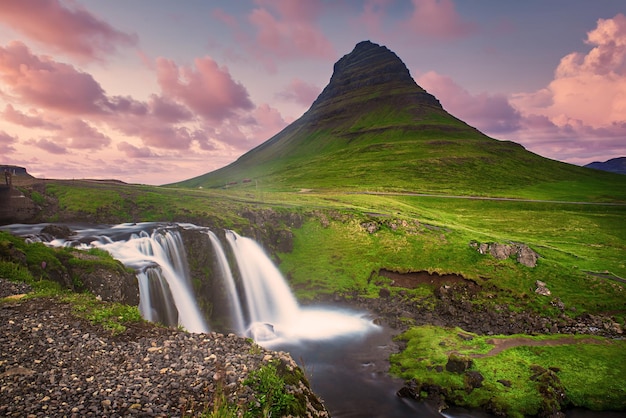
(522, 380)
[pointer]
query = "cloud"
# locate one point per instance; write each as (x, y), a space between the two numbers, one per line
(6, 143)
(437, 19)
(269, 122)
(287, 29)
(167, 110)
(206, 88)
(279, 30)
(132, 151)
(47, 145)
(43, 82)
(583, 109)
(300, 92)
(84, 136)
(491, 114)
(37, 121)
(73, 31)
(422, 21)
(590, 87)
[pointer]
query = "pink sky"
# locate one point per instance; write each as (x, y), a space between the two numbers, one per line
(157, 92)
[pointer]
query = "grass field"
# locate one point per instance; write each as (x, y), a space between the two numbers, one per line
(334, 253)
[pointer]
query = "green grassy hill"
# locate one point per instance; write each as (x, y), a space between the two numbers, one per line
(373, 128)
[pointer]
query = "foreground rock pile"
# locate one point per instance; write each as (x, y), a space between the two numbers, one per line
(55, 364)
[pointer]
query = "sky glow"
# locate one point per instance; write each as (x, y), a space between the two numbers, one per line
(155, 91)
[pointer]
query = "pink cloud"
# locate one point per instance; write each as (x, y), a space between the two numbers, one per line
(46, 83)
(583, 109)
(300, 92)
(152, 131)
(291, 30)
(372, 17)
(132, 151)
(587, 87)
(206, 88)
(491, 114)
(74, 31)
(167, 110)
(6, 143)
(269, 122)
(47, 145)
(37, 121)
(437, 19)
(226, 18)
(84, 136)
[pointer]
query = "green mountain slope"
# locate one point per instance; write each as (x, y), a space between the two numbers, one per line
(374, 129)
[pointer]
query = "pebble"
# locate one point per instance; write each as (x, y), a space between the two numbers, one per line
(53, 363)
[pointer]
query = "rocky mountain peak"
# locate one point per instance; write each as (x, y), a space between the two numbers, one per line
(371, 71)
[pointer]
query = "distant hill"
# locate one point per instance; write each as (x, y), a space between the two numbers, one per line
(373, 128)
(614, 165)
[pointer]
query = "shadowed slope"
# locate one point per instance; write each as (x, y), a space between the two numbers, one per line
(373, 128)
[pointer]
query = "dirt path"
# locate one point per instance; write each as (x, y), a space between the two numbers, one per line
(502, 344)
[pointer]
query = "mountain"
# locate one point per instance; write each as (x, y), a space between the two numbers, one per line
(373, 128)
(614, 165)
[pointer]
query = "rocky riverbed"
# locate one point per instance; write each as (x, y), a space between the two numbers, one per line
(53, 363)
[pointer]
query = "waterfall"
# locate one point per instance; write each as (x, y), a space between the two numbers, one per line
(256, 298)
(159, 259)
(229, 281)
(268, 298)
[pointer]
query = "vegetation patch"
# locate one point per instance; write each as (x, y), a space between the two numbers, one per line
(533, 375)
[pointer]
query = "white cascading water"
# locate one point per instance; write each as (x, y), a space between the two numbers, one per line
(229, 281)
(275, 316)
(163, 253)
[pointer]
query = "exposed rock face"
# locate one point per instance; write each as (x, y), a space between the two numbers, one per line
(369, 78)
(112, 284)
(371, 65)
(524, 254)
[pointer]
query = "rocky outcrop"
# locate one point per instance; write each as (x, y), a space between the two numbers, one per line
(370, 67)
(523, 253)
(272, 229)
(110, 281)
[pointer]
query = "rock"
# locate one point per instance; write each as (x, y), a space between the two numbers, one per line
(458, 363)
(57, 231)
(473, 380)
(526, 256)
(542, 289)
(501, 251)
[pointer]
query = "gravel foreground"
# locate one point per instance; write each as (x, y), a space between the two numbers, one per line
(55, 364)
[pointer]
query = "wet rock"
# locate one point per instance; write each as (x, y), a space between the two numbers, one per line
(57, 231)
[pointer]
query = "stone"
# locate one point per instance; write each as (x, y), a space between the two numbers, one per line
(458, 363)
(473, 379)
